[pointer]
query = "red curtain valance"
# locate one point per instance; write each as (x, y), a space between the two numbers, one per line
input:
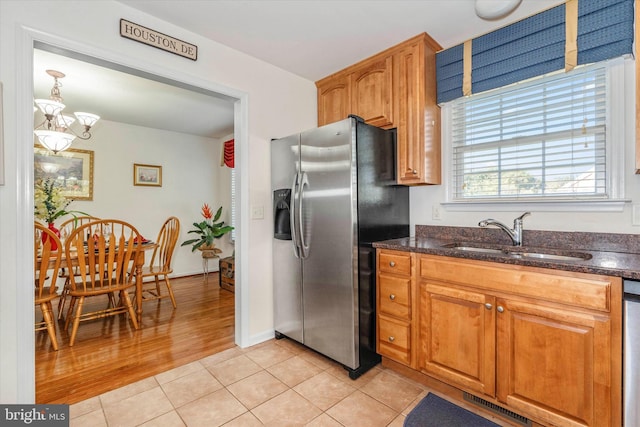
(228, 153)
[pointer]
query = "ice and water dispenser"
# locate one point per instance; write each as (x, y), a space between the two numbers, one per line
(281, 214)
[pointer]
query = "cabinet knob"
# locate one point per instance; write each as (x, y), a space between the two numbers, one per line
(392, 297)
(392, 339)
(500, 309)
(415, 172)
(488, 306)
(392, 263)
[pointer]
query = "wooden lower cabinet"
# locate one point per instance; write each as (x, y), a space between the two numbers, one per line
(542, 343)
(554, 364)
(458, 337)
(395, 302)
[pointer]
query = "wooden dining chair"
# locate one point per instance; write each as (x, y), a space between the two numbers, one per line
(47, 265)
(65, 230)
(106, 264)
(160, 264)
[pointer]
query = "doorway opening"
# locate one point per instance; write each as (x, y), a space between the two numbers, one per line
(220, 100)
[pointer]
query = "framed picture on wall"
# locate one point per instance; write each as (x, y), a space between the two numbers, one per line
(72, 169)
(149, 175)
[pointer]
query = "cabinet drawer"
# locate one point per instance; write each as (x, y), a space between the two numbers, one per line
(394, 339)
(395, 296)
(395, 263)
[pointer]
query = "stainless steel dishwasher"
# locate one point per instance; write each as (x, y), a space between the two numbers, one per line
(631, 353)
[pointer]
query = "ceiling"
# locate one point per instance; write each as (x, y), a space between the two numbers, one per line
(311, 38)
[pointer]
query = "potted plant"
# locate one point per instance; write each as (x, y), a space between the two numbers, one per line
(49, 204)
(207, 231)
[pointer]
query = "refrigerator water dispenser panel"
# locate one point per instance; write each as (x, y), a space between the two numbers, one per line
(282, 214)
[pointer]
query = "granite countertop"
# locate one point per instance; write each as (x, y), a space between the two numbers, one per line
(610, 254)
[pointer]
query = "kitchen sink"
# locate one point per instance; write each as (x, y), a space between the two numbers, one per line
(515, 252)
(473, 248)
(553, 257)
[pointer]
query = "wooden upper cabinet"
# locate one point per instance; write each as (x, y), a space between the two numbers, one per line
(393, 89)
(334, 99)
(418, 114)
(372, 92)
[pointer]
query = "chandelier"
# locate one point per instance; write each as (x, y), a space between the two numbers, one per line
(55, 133)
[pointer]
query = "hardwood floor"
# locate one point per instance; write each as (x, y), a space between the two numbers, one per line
(109, 353)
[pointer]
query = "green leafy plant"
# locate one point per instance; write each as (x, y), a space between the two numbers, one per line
(207, 230)
(49, 203)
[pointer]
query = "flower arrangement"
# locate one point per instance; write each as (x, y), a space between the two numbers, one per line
(207, 230)
(49, 203)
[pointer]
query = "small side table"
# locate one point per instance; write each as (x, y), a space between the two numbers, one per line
(205, 264)
(227, 273)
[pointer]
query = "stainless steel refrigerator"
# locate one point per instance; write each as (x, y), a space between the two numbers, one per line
(334, 194)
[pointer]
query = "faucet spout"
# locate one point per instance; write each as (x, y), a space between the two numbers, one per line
(515, 234)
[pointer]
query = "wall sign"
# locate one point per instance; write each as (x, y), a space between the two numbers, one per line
(153, 38)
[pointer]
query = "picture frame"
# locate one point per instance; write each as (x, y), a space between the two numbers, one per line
(147, 175)
(72, 169)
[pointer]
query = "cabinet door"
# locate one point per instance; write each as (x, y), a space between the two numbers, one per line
(372, 92)
(334, 96)
(418, 116)
(457, 334)
(554, 363)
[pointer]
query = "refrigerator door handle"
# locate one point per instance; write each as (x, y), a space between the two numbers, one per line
(292, 216)
(304, 248)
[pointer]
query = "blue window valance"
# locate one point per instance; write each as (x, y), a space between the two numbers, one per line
(536, 45)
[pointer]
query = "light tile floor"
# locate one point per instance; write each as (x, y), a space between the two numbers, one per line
(276, 383)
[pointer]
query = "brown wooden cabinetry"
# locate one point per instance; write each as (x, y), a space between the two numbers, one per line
(334, 99)
(395, 302)
(458, 337)
(393, 89)
(372, 92)
(544, 343)
(418, 114)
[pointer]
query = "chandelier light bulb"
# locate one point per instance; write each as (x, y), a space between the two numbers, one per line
(63, 122)
(53, 140)
(87, 119)
(50, 107)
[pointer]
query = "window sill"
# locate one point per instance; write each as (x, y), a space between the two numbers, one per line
(615, 205)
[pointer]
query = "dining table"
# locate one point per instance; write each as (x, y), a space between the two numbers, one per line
(139, 264)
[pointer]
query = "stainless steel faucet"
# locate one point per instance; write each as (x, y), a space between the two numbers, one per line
(515, 234)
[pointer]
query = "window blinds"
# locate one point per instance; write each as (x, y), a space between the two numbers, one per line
(544, 138)
(535, 46)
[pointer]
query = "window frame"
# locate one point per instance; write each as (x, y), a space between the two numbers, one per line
(620, 76)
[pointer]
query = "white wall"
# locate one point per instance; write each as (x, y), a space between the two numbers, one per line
(191, 176)
(271, 103)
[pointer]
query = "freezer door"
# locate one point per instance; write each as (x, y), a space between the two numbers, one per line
(328, 203)
(287, 267)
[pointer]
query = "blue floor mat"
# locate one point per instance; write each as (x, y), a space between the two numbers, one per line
(433, 411)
